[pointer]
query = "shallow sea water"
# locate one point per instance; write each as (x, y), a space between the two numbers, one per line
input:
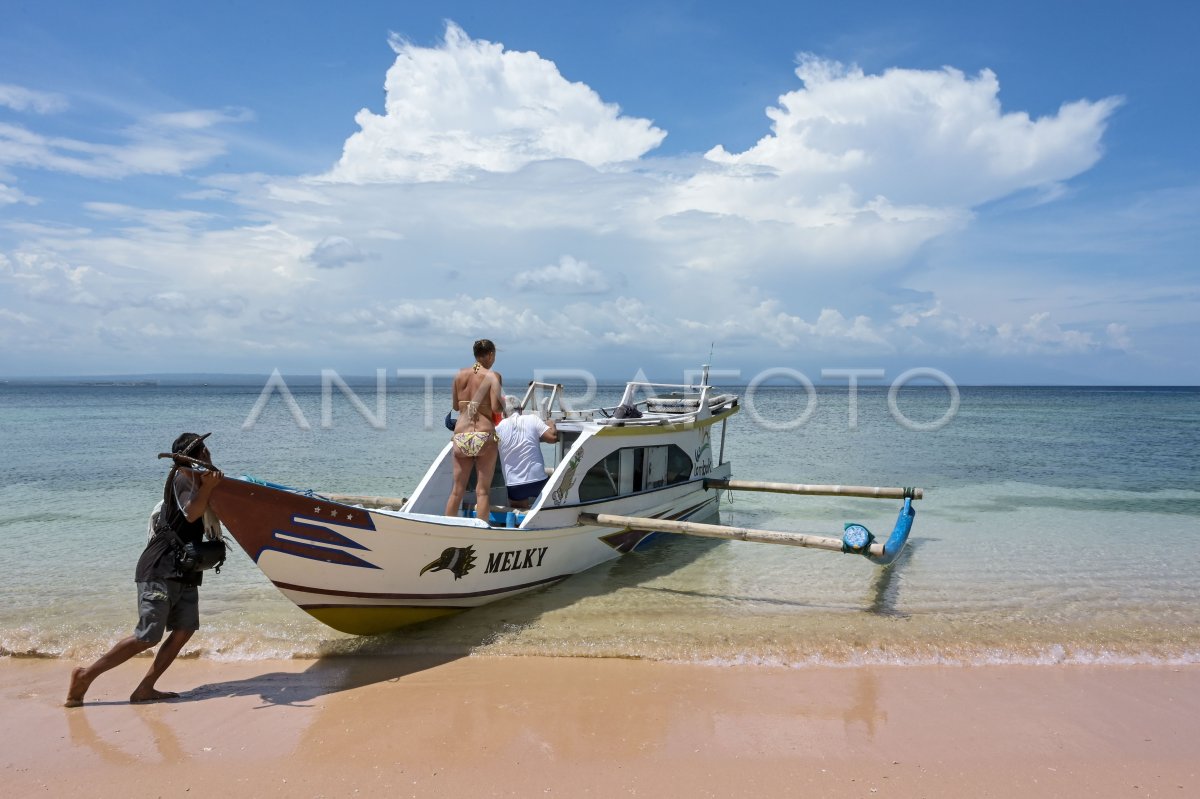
(1060, 525)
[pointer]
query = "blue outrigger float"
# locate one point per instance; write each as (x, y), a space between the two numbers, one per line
(365, 565)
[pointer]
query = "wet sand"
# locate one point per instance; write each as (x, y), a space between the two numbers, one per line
(492, 726)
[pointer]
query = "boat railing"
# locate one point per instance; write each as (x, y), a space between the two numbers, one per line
(632, 388)
(671, 403)
(675, 404)
(665, 403)
(544, 405)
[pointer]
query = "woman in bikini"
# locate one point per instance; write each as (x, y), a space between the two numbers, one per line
(478, 400)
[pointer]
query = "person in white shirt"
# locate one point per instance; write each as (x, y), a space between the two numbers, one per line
(521, 437)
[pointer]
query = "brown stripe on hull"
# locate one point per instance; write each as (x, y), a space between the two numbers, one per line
(425, 596)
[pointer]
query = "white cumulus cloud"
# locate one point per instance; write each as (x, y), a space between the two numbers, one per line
(918, 137)
(863, 169)
(472, 105)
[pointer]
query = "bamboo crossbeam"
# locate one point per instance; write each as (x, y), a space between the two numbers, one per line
(354, 499)
(720, 531)
(871, 492)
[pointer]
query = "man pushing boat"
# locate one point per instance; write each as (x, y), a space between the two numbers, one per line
(168, 575)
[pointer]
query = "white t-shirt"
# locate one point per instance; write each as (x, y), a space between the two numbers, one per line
(521, 449)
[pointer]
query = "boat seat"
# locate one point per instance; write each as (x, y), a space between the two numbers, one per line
(499, 515)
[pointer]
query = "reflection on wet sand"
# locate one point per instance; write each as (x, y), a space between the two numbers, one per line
(546, 709)
(123, 745)
(477, 726)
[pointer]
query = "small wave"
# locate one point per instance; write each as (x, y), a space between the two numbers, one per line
(992, 657)
(31, 654)
(251, 652)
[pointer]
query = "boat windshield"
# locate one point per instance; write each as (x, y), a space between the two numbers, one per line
(632, 469)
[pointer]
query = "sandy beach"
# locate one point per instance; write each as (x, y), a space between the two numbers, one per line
(496, 726)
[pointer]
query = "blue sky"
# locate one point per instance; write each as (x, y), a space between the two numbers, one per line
(1009, 194)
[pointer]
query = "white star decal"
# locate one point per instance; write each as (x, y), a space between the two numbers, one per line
(348, 517)
(333, 513)
(317, 510)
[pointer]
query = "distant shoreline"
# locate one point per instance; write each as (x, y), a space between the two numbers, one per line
(170, 380)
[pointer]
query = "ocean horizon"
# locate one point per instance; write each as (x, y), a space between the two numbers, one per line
(414, 376)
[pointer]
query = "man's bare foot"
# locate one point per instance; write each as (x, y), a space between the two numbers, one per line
(77, 688)
(153, 695)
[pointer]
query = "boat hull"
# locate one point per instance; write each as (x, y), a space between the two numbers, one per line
(366, 571)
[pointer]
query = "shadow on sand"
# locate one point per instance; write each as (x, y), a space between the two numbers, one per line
(326, 675)
(357, 662)
(352, 663)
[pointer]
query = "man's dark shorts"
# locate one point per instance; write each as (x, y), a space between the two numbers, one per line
(526, 490)
(166, 605)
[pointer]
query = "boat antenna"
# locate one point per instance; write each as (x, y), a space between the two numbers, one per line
(704, 371)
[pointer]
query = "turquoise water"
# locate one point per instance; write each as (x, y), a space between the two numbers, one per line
(1060, 525)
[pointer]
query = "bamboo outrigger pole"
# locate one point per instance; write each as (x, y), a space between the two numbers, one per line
(724, 531)
(356, 499)
(872, 492)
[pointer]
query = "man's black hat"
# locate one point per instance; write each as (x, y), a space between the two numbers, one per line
(186, 443)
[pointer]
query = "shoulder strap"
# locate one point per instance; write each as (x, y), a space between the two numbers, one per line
(169, 501)
(169, 487)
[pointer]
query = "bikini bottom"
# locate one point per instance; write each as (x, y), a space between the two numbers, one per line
(472, 442)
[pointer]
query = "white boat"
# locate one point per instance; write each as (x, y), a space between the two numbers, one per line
(363, 567)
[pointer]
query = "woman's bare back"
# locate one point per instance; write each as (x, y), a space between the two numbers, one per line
(477, 396)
